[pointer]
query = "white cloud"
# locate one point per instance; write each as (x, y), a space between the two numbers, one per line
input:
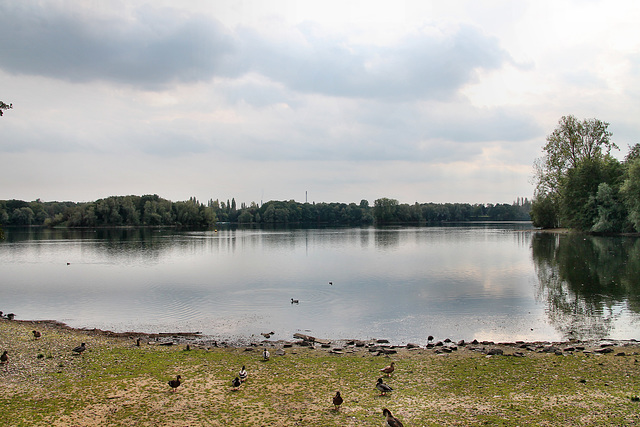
(427, 101)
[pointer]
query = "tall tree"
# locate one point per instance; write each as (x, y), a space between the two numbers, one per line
(571, 142)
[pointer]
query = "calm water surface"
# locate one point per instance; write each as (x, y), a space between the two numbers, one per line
(485, 281)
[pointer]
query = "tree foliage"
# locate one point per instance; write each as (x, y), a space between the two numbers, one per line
(154, 211)
(581, 186)
(4, 106)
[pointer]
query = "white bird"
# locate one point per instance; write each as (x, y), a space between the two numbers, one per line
(243, 374)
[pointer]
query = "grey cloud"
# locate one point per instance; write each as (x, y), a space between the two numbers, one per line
(157, 48)
(419, 66)
(162, 46)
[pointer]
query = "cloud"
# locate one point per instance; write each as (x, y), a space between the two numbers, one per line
(154, 48)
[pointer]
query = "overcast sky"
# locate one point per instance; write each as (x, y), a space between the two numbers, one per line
(427, 101)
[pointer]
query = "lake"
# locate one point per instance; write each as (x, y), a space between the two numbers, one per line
(485, 281)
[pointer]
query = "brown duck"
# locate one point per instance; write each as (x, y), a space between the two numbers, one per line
(391, 420)
(388, 369)
(337, 401)
(175, 383)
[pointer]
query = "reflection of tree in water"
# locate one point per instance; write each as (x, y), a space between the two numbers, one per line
(585, 279)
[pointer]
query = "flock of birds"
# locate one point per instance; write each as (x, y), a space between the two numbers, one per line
(383, 388)
(242, 376)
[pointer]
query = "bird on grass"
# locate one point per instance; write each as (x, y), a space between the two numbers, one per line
(391, 420)
(175, 383)
(388, 369)
(79, 349)
(383, 388)
(4, 358)
(337, 401)
(236, 383)
(265, 354)
(36, 334)
(243, 374)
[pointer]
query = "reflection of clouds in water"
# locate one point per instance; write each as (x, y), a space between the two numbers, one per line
(442, 281)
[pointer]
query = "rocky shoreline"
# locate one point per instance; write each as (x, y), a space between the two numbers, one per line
(377, 347)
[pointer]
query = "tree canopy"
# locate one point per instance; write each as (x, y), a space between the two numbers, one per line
(154, 211)
(4, 106)
(580, 185)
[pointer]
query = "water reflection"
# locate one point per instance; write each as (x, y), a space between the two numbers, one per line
(400, 283)
(588, 282)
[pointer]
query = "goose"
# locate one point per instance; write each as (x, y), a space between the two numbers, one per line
(243, 374)
(391, 420)
(384, 389)
(79, 349)
(265, 354)
(175, 383)
(36, 334)
(236, 383)
(388, 369)
(337, 401)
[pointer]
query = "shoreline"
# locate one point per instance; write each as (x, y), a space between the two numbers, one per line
(200, 340)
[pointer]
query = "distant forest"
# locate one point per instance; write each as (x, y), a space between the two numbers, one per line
(154, 211)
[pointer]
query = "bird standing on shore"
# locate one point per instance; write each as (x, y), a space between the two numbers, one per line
(175, 383)
(337, 401)
(265, 354)
(391, 420)
(79, 349)
(36, 334)
(243, 374)
(388, 369)
(383, 388)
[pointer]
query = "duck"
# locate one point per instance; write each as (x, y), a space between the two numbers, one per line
(4, 358)
(337, 401)
(265, 354)
(384, 389)
(388, 369)
(11, 316)
(243, 374)
(36, 334)
(236, 383)
(175, 383)
(391, 420)
(79, 349)
(295, 301)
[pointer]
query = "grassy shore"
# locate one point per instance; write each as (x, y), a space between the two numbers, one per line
(114, 383)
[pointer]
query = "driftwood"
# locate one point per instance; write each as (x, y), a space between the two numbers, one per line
(310, 338)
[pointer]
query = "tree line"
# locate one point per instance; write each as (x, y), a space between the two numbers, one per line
(154, 211)
(581, 186)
